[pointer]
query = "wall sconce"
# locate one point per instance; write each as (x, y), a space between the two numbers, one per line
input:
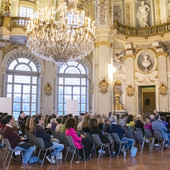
(48, 89)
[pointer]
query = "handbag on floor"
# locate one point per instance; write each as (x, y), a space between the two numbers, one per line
(133, 152)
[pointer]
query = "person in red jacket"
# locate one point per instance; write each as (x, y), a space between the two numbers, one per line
(15, 139)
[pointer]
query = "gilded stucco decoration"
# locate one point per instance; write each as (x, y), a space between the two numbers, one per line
(117, 12)
(163, 89)
(103, 85)
(130, 90)
(128, 14)
(102, 14)
(117, 94)
(48, 89)
(158, 11)
(6, 7)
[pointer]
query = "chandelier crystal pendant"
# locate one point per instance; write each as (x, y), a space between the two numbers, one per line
(61, 34)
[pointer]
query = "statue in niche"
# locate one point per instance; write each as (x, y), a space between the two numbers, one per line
(142, 14)
(146, 63)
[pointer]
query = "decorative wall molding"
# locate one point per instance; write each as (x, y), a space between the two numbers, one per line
(99, 43)
(103, 85)
(130, 90)
(163, 89)
(48, 89)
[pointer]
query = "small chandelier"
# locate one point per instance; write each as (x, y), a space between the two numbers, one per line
(61, 34)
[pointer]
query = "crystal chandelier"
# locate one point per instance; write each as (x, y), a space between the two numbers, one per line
(61, 34)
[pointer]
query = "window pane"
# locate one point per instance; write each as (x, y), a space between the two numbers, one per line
(9, 95)
(33, 98)
(72, 63)
(25, 107)
(26, 89)
(16, 115)
(83, 107)
(76, 90)
(12, 65)
(67, 97)
(60, 98)
(23, 67)
(34, 68)
(9, 79)
(82, 69)
(33, 107)
(83, 81)
(17, 97)
(9, 88)
(22, 79)
(34, 80)
(67, 90)
(83, 99)
(83, 90)
(76, 98)
(17, 88)
(60, 113)
(62, 69)
(34, 89)
(33, 113)
(60, 91)
(60, 107)
(72, 70)
(16, 107)
(26, 113)
(72, 81)
(26, 97)
(23, 60)
(60, 80)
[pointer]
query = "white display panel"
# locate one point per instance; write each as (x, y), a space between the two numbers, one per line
(6, 105)
(72, 107)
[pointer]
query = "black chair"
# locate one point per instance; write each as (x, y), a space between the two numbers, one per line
(70, 147)
(129, 132)
(138, 135)
(119, 142)
(98, 143)
(10, 150)
(150, 137)
(158, 135)
(41, 146)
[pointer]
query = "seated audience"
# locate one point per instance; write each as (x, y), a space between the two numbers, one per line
(58, 127)
(101, 123)
(130, 122)
(148, 124)
(41, 133)
(152, 118)
(94, 129)
(163, 118)
(122, 121)
(63, 127)
(158, 125)
(15, 140)
(139, 124)
(115, 128)
(79, 142)
(106, 125)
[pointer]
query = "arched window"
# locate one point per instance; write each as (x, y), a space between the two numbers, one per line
(22, 86)
(72, 85)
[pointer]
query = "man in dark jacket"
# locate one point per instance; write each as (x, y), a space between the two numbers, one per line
(41, 133)
(15, 140)
(115, 128)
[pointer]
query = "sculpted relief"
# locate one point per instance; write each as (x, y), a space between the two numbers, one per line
(143, 14)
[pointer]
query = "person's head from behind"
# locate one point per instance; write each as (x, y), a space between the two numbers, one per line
(106, 120)
(163, 118)
(70, 123)
(9, 119)
(86, 121)
(93, 123)
(139, 118)
(152, 118)
(39, 120)
(157, 116)
(114, 119)
(129, 119)
(22, 115)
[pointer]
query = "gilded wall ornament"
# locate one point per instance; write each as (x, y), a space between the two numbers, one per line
(163, 89)
(130, 91)
(117, 94)
(103, 85)
(48, 89)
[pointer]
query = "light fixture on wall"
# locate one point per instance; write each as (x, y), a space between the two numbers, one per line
(62, 34)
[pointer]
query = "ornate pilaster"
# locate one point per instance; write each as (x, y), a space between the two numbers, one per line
(158, 12)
